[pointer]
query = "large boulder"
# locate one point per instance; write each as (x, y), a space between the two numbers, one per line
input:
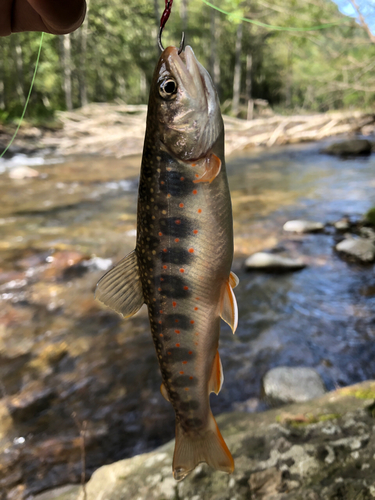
(351, 147)
(361, 249)
(286, 384)
(269, 262)
(322, 449)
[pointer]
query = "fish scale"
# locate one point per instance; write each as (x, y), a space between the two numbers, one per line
(181, 264)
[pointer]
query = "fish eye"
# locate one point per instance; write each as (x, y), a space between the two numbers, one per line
(168, 89)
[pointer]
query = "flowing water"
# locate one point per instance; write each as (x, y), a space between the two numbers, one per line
(67, 364)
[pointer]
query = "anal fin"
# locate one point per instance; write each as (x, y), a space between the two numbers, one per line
(217, 375)
(229, 310)
(212, 169)
(121, 288)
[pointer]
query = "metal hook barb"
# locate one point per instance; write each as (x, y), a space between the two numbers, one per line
(182, 43)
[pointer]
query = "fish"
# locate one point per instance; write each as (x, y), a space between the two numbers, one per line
(181, 266)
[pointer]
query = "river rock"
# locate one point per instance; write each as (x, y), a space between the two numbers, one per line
(262, 261)
(322, 449)
(360, 248)
(23, 172)
(32, 400)
(351, 147)
(292, 384)
(303, 226)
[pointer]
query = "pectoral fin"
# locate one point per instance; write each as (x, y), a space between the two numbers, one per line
(121, 288)
(217, 376)
(212, 169)
(229, 310)
(233, 279)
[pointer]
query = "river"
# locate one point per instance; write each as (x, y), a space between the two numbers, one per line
(67, 364)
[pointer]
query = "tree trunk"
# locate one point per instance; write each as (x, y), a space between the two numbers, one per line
(17, 58)
(237, 72)
(82, 61)
(249, 97)
(214, 57)
(67, 71)
(184, 16)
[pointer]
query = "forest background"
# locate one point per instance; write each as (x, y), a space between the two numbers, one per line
(112, 57)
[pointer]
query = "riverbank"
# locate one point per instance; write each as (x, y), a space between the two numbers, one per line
(118, 130)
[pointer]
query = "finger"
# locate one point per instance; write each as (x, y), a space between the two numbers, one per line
(51, 16)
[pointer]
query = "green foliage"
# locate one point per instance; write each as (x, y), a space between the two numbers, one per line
(113, 56)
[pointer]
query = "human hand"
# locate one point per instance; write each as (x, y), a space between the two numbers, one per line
(52, 16)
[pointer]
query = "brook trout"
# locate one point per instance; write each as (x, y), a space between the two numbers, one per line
(181, 264)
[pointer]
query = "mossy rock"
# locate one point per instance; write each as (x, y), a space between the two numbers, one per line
(370, 216)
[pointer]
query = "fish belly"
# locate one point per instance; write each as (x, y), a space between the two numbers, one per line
(184, 250)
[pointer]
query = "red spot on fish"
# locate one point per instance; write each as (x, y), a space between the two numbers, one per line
(174, 304)
(195, 308)
(160, 234)
(159, 289)
(169, 169)
(195, 343)
(160, 324)
(191, 378)
(186, 388)
(193, 164)
(177, 240)
(181, 373)
(168, 195)
(196, 175)
(190, 352)
(196, 298)
(184, 362)
(162, 182)
(177, 345)
(165, 250)
(195, 191)
(161, 279)
(161, 311)
(169, 353)
(195, 231)
(192, 322)
(165, 267)
(186, 288)
(176, 320)
(191, 250)
(182, 178)
(178, 221)
(177, 331)
(181, 205)
(182, 270)
(161, 335)
(199, 210)
(196, 333)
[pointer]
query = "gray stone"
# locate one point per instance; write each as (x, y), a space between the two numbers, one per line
(262, 261)
(360, 248)
(303, 226)
(320, 449)
(352, 147)
(23, 172)
(342, 224)
(292, 384)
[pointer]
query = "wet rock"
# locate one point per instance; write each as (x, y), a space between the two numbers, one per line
(352, 147)
(68, 492)
(67, 264)
(23, 173)
(268, 262)
(324, 450)
(342, 224)
(32, 400)
(292, 384)
(303, 226)
(360, 249)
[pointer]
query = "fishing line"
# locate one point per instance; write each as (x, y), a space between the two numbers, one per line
(27, 99)
(270, 26)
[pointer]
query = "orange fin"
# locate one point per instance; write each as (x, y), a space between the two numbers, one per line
(212, 169)
(233, 279)
(217, 376)
(164, 392)
(229, 310)
(194, 447)
(121, 288)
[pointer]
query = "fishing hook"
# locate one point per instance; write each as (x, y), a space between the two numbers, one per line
(163, 20)
(182, 43)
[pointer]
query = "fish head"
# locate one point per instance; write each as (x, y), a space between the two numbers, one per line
(186, 105)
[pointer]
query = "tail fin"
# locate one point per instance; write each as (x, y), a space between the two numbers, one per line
(206, 446)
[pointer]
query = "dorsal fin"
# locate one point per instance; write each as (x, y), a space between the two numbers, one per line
(121, 288)
(164, 392)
